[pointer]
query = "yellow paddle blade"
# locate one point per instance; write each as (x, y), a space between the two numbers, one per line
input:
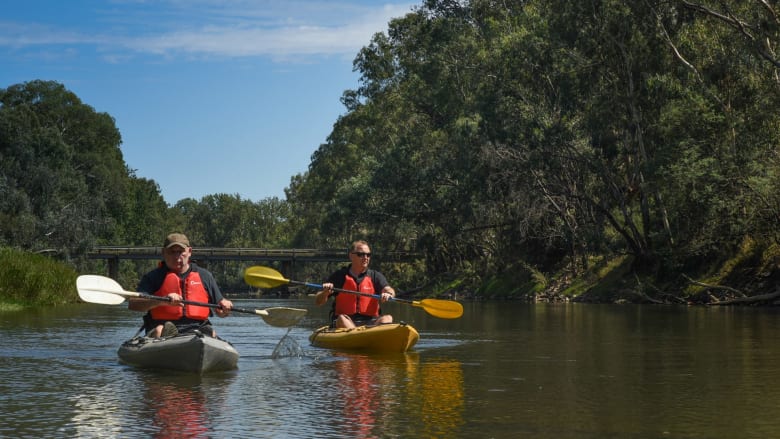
(445, 309)
(264, 277)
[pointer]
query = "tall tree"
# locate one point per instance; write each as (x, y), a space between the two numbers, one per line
(492, 134)
(62, 172)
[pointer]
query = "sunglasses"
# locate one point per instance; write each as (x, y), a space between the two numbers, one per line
(361, 254)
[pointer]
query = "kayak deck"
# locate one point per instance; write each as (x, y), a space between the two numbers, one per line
(390, 337)
(188, 352)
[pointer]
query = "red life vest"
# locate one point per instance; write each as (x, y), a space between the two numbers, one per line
(349, 304)
(190, 288)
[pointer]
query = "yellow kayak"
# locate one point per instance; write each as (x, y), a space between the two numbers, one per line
(391, 337)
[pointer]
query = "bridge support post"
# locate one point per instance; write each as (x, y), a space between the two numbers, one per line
(113, 268)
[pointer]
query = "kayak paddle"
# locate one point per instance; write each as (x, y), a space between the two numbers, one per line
(106, 291)
(265, 277)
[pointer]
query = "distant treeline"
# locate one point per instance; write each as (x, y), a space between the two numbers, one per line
(511, 139)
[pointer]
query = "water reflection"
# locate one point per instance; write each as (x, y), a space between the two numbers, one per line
(441, 393)
(374, 391)
(183, 405)
(362, 403)
(179, 411)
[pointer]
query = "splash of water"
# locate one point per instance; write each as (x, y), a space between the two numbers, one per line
(287, 347)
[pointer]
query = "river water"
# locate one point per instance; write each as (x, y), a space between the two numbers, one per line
(502, 370)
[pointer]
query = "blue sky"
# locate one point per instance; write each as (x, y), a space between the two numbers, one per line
(210, 96)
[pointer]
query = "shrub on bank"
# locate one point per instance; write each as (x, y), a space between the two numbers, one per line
(28, 279)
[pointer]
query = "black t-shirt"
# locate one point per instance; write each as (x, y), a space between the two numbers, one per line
(153, 280)
(377, 279)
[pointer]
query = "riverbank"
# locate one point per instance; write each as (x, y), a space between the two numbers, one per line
(750, 277)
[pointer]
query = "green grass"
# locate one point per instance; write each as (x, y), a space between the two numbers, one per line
(28, 279)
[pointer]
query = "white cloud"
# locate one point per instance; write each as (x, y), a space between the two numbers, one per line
(219, 28)
(19, 36)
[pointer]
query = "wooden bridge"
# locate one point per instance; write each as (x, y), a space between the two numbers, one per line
(287, 257)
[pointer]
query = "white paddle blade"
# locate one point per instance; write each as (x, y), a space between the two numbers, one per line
(99, 289)
(281, 317)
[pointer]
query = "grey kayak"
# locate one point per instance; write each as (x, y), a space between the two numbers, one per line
(188, 352)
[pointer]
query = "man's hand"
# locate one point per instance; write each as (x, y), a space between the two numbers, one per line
(225, 307)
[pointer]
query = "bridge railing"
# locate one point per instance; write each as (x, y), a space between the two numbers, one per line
(239, 254)
(113, 254)
(217, 253)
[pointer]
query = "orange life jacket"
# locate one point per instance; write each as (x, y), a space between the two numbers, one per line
(349, 304)
(190, 288)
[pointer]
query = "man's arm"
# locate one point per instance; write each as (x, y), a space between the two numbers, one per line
(335, 280)
(210, 283)
(215, 294)
(382, 286)
(145, 286)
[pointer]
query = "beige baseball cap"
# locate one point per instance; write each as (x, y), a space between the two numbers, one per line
(176, 239)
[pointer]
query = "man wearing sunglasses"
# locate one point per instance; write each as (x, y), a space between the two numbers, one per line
(351, 310)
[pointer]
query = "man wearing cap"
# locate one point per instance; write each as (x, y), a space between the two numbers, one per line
(179, 279)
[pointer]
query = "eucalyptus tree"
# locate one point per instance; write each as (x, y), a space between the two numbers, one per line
(639, 122)
(540, 132)
(401, 164)
(225, 220)
(725, 112)
(62, 173)
(147, 216)
(404, 165)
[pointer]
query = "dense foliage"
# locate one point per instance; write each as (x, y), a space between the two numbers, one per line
(64, 187)
(499, 135)
(501, 139)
